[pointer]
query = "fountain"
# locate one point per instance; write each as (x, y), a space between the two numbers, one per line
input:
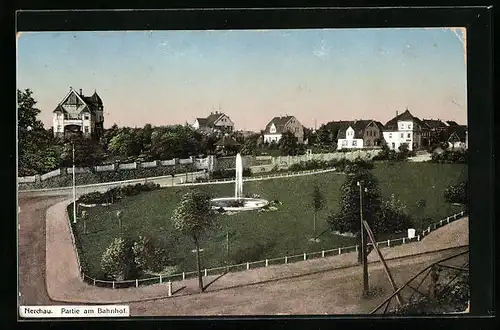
(238, 202)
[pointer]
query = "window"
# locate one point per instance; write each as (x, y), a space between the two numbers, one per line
(86, 129)
(354, 143)
(402, 135)
(393, 145)
(409, 135)
(409, 126)
(86, 116)
(390, 135)
(58, 128)
(344, 142)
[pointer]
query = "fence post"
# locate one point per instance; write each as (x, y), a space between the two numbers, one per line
(340, 252)
(440, 222)
(447, 219)
(323, 254)
(356, 248)
(403, 240)
(267, 263)
(418, 238)
(169, 288)
(305, 256)
(205, 272)
(113, 284)
(248, 266)
(286, 259)
(183, 275)
(94, 281)
(136, 283)
(388, 243)
(160, 279)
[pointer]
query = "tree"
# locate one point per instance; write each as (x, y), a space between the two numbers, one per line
(288, 144)
(318, 202)
(117, 261)
(348, 219)
(457, 193)
(193, 217)
(393, 216)
(37, 153)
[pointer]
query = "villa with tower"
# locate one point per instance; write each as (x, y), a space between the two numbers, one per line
(77, 113)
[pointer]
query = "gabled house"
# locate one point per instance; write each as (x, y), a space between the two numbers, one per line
(404, 129)
(226, 145)
(279, 125)
(216, 121)
(432, 127)
(359, 134)
(458, 137)
(80, 114)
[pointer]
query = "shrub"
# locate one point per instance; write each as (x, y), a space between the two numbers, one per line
(450, 156)
(117, 261)
(115, 193)
(229, 173)
(457, 193)
(148, 255)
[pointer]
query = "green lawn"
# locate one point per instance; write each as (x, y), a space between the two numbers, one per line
(260, 235)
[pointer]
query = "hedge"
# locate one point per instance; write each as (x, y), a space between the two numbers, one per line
(66, 180)
(113, 194)
(450, 157)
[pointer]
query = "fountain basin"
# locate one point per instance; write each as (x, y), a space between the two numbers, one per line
(231, 203)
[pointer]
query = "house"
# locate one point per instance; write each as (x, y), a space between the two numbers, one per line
(226, 145)
(216, 121)
(404, 129)
(359, 134)
(279, 125)
(79, 114)
(433, 127)
(458, 137)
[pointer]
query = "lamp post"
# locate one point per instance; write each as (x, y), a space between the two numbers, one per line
(364, 256)
(74, 185)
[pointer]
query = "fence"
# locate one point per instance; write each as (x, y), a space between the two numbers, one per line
(51, 174)
(26, 179)
(69, 170)
(262, 177)
(259, 163)
(256, 264)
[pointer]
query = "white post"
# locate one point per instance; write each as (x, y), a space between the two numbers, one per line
(205, 272)
(418, 238)
(403, 240)
(136, 283)
(267, 263)
(248, 266)
(388, 243)
(74, 186)
(113, 284)
(160, 279)
(286, 259)
(323, 254)
(183, 275)
(305, 256)
(169, 288)
(447, 219)
(94, 281)
(356, 248)
(340, 252)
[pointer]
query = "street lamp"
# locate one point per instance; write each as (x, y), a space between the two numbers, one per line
(74, 185)
(364, 256)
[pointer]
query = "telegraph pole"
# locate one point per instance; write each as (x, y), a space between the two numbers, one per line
(74, 185)
(364, 257)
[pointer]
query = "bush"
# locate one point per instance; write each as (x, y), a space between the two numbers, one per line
(449, 156)
(457, 193)
(115, 193)
(148, 255)
(117, 261)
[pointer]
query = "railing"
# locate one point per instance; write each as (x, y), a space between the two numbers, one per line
(263, 177)
(168, 279)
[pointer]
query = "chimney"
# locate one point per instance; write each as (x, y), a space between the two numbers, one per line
(397, 114)
(81, 93)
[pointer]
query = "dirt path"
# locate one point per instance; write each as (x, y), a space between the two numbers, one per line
(31, 250)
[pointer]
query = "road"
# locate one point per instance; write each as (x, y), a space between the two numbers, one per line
(331, 292)
(31, 249)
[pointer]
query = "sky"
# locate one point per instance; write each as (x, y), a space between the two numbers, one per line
(316, 75)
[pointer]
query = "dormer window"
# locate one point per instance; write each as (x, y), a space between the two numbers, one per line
(86, 116)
